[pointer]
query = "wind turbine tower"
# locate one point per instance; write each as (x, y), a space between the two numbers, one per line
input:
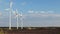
(21, 16)
(10, 15)
(17, 16)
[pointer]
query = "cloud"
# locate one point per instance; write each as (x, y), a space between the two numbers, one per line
(31, 11)
(42, 20)
(36, 19)
(44, 15)
(46, 11)
(42, 12)
(50, 11)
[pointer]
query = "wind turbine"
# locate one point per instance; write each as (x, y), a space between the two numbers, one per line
(21, 21)
(17, 16)
(10, 11)
(10, 15)
(21, 18)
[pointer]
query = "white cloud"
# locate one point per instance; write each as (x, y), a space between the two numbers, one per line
(31, 11)
(32, 14)
(40, 19)
(50, 11)
(42, 12)
(47, 12)
(43, 20)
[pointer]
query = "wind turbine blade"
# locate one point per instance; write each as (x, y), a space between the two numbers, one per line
(7, 9)
(11, 4)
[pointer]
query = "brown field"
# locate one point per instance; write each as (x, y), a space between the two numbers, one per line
(30, 30)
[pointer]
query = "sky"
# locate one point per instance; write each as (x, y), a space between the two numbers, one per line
(36, 13)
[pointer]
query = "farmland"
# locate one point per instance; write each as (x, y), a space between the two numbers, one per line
(30, 30)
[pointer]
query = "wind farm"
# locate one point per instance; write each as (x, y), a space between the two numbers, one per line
(16, 15)
(29, 16)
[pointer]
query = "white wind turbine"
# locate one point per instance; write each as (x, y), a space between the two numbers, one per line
(10, 14)
(10, 11)
(21, 17)
(17, 16)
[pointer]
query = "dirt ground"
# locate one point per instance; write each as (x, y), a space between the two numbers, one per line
(30, 31)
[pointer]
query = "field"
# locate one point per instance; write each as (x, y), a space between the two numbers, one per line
(30, 30)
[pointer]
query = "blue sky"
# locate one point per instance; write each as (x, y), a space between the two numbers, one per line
(37, 5)
(35, 12)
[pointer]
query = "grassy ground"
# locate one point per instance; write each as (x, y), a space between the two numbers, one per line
(5, 30)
